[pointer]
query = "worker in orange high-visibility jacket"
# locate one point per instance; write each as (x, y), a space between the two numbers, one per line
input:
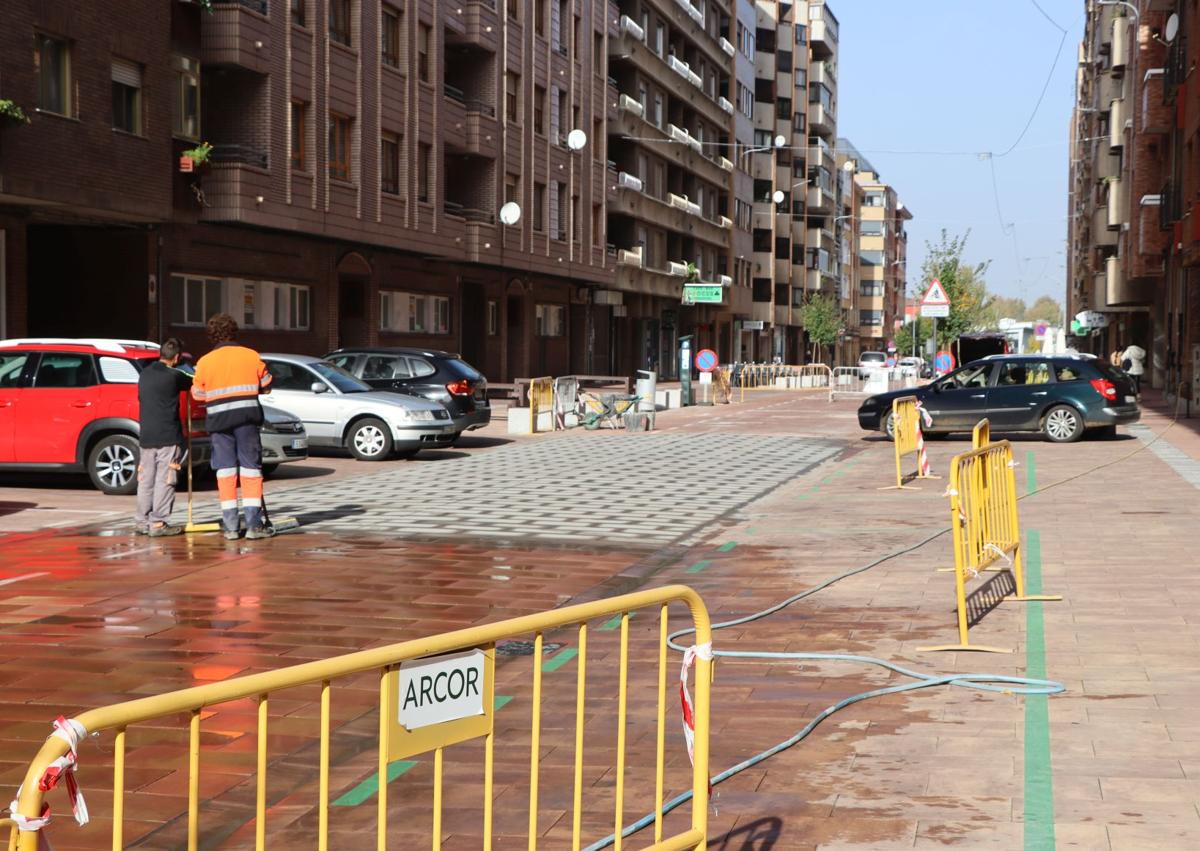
(228, 381)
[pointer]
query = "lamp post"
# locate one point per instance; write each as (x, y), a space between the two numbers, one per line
(576, 141)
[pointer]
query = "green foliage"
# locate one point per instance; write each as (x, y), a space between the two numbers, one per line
(1001, 307)
(1045, 309)
(693, 274)
(199, 154)
(923, 328)
(964, 285)
(12, 113)
(821, 317)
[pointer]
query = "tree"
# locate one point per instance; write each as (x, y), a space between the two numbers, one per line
(821, 317)
(1001, 307)
(1045, 309)
(904, 337)
(964, 285)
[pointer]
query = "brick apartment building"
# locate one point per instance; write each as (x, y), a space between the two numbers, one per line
(1134, 224)
(363, 149)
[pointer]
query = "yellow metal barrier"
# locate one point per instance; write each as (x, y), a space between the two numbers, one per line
(906, 440)
(983, 512)
(541, 401)
(393, 664)
(981, 435)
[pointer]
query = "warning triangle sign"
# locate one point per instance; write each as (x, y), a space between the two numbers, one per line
(936, 294)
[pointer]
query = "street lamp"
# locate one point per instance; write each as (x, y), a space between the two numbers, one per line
(1127, 5)
(779, 142)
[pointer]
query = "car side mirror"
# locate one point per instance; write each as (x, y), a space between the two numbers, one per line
(318, 387)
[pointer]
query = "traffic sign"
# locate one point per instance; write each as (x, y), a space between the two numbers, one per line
(943, 362)
(936, 294)
(706, 360)
(1039, 330)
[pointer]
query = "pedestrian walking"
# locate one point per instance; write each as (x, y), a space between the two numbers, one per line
(228, 381)
(1133, 361)
(161, 441)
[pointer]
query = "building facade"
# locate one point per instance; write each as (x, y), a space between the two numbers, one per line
(362, 151)
(1134, 223)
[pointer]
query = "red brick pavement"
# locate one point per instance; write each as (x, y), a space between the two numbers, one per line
(929, 769)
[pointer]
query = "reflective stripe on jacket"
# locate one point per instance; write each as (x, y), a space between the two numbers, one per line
(228, 381)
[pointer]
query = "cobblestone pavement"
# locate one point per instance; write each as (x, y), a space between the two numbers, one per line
(1112, 764)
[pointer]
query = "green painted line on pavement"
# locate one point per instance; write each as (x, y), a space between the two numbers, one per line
(1030, 472)
(558, 660)
(500, 701)
(614, 622)
(370, 786)
(698, 566)
(726, 547)
(1039, 773)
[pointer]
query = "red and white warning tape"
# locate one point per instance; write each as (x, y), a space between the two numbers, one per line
(922, 457)
(63, 768)
(696, 651)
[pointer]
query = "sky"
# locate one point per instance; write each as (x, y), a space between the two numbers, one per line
(927, 87)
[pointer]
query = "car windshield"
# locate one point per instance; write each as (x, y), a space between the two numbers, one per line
(338, 377)
(868, 357)
(462, 369)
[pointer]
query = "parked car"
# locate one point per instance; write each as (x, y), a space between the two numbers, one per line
(71, 406)
(872, 360)
(1061, 396)
(440, 376)
(338, 410)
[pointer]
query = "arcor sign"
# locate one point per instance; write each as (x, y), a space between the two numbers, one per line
(440, 700)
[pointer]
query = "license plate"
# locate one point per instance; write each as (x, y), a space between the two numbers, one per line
(300, 443)
(1129, 400)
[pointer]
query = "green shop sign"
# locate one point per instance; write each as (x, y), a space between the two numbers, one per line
(703, 294)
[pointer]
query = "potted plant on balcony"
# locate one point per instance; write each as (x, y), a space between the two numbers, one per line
(193, 158)
(11, 114)
(692, 276)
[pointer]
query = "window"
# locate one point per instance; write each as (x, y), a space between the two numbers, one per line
(659, 112)
(185, 106)
(339, 147)
(339, 21)
(870, 258)
(550, 320)
(512, 97)
(12, 365)
(290, 376)
(872, 228)
(423, 35)
(194, 299)
(289, 306)
(385, 367)
(539, 110)
(783, 109)
(562, 210)
(660, 37)
(762, 240)
(874, 198)
(1063, 371)
(539, 207)
(512, 189)
(414, 313)
(514, 10)
(389, 37)
(598, 53)
(597, 139)
(971, 376)
(52, 60)
(389, 164)
(1023, 372)
(576, 47)
(745, 101)
(126, 96)
(597, 225)
(783, 61)
(870, 317)
(493, 318)
(765, 39)
(742, 212)
(871, 289)
(539, 17)
(297, 7)
(299, 136)
(65, 370)
(424, 165)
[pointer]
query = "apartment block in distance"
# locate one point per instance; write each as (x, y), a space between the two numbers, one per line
(1134, 225)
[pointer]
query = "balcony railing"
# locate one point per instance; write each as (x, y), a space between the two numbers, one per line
(477, 106)
(259, 6)
(629, 25)
(724, 103)
(241, 154)
(726, 45)
(454, 93)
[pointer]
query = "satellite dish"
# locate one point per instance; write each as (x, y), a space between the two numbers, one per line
(777, 197)
(848, 165)
(1172, 28)
(780, 141)
(510, 213)
(899, 206)
(576, 139)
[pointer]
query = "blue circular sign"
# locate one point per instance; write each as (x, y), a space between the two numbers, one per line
(943, 362)
(706, 360)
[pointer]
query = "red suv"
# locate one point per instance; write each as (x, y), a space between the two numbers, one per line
(72, 406)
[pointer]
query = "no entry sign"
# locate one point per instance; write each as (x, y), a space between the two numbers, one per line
(706, 360)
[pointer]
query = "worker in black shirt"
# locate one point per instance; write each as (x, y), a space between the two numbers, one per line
(161, 441)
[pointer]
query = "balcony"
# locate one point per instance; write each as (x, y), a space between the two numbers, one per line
(454, 116)
(481, 26)
(692, 12)
(1105, 164)
(482, 129)
(823, 73)
(480, 236)
(1101, 235)
(1117, 212)
(726, 45)
(233, 185)
(725, 104)
(236, 35)
(820, 120)
(629, 257)
(681, 202)
(625, 180)
(820, 201)
(684, 70)
(684, 137)
(628, 104)
(821, 155)
(822, 31)
(632, 27)
(1116, 123)
(1119, 291)
(1120, 43)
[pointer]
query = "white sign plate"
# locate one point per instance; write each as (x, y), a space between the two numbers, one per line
(752, 325)
(441, 689)
(706, 378)
(938, 311)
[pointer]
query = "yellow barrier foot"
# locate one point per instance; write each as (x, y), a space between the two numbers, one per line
(898, 488)
(1034, 598)
(981, 570)
(928, 477)
(978, 648)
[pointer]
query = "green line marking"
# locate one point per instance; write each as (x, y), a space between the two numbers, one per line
(500, 701)
(555, 662)
(614, 622)
(370, 786)
(1030, 472)
(1039, 776)
(726, 547)
(698, 566)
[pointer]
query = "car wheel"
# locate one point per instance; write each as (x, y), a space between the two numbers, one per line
(1062, 424)
(369, 440)
(889, 426)
(112, 464)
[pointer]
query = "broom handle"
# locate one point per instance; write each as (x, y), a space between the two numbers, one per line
(189, 453)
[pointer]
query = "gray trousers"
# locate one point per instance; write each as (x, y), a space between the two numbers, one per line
(158, 470)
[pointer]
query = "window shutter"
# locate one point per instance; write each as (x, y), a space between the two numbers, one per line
(554, 209)
(127, 73)
(555, 132)
(555, 24)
